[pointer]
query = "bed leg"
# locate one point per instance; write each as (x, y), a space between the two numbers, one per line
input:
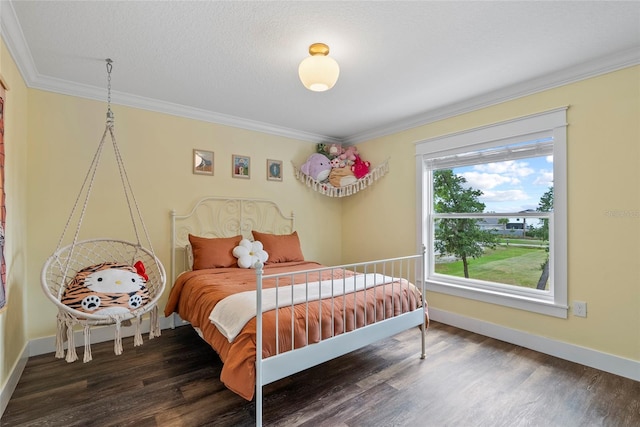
(423, 327)
(259, 406)
(258, 268)
(423, 333)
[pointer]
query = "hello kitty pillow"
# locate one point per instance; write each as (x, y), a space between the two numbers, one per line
(108, 288)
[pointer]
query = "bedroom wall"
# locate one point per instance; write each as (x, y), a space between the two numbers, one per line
(603, 175)
(157, 151)
(62, 133)
(13, 319)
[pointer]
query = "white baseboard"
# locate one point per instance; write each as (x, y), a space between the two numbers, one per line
(12, 381)
(585, 356)
(46, 345)
(574, 353)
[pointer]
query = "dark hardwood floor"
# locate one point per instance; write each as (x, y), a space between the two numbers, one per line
(466, 380)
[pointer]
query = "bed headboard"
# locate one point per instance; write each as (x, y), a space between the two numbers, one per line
(224, 217)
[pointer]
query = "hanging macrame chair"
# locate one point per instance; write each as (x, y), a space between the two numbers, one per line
(63, 267)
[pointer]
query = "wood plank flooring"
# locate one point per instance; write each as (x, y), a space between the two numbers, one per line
(466, 380)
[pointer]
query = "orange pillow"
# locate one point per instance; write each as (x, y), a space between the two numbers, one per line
(213, 252)
(280, 247)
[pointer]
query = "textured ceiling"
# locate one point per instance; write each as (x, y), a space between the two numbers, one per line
(235, 62)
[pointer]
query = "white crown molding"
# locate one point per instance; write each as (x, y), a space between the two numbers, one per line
(16, 43)
(66, 87)
(584, 71)
(17, 46)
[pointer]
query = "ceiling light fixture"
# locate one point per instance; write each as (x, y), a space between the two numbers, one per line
(319, 72)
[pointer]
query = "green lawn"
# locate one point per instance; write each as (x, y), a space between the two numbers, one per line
(514, 265)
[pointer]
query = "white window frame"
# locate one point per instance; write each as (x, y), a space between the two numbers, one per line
(549, 123)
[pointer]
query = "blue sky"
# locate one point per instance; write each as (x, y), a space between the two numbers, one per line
(510, 186)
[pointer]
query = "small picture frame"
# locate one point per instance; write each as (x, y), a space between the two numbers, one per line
(240, 166)
(202, 162)
(274, 170)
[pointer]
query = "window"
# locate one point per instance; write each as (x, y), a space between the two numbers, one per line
(493, 213)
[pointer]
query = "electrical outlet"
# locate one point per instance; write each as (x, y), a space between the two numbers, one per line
(580, 308)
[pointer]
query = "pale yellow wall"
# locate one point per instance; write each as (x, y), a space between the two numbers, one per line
(63, 133)
(13, 319)
(603, 175)
(157, 150)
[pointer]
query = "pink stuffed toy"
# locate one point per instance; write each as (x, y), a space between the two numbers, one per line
(335, 150)
(360, 168)
(349, 155)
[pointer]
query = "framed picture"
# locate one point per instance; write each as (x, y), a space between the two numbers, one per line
(202, 162)
(274, 170)
(240, 166)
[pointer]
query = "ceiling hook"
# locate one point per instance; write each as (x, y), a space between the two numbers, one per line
(109, 62)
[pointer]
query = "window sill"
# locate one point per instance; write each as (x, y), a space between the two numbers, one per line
(519, 302)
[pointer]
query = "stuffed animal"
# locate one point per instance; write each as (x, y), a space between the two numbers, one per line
(107, 289)
(317, 167)
(360, 168)
(349, 155)
(340, 177)
(336, 163)
(331, 151)
(249, 253)
(334, 150)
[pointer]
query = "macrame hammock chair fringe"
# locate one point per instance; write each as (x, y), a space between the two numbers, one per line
(61, 267)
(348, 190)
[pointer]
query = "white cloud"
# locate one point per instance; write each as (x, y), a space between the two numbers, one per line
(510, 168)
(545, 178)
(510, 186)
(504, 196)
(485, 181)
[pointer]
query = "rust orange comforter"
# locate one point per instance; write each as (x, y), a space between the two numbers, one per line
(195, 293)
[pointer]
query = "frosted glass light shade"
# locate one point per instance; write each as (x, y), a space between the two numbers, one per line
(318, 72)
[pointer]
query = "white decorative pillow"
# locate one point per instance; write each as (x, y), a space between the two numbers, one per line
(248, 253)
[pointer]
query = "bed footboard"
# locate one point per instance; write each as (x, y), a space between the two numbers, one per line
(391, 303)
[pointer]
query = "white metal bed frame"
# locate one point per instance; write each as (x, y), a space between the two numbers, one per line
(223, 217)
(226, 217)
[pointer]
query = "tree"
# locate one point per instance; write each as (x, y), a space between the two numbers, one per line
(545, 205)
(462, 237)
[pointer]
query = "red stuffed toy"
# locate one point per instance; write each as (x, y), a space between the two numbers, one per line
(360, 168)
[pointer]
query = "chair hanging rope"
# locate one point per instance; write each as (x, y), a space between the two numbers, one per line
(84, 258)
(91, 174)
